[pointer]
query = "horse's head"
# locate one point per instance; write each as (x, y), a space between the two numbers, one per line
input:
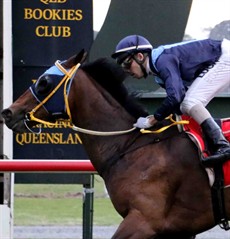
(38, 100)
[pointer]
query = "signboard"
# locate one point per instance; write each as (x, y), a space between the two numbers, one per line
(44, 31)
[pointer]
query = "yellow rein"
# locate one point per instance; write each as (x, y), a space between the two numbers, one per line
(174, 122)
(68, 75)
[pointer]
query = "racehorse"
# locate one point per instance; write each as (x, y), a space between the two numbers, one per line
(155, 181)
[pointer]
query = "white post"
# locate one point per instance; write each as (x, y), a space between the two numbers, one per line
(6, 210)
(5, 221)
(7, 72)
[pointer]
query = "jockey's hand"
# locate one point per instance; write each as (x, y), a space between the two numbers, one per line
(144, 123)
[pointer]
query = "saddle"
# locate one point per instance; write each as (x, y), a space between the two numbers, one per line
(195, 133)
(219, 176)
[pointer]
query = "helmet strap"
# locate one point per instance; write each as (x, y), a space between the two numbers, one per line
(140, 63)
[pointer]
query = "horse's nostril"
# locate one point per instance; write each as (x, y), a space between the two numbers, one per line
(7, 115)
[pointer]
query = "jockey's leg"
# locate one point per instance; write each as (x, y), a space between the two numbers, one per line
(218, 143)
(201, 92)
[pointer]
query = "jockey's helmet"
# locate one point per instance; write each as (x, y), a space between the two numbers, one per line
(129, 46)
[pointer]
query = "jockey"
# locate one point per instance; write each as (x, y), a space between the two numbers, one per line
(192, 73)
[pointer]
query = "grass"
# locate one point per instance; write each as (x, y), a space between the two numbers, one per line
(60, 205)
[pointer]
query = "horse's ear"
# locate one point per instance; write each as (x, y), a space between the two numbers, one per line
(74, 60)
(81, 57)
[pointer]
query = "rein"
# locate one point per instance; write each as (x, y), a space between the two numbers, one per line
(143, 131)
(174, 122)
(67, 76)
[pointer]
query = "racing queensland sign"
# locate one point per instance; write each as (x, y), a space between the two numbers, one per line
(45, 31)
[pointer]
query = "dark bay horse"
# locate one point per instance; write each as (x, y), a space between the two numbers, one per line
(155, 181)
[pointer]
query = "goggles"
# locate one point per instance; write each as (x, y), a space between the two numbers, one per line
(126, 64)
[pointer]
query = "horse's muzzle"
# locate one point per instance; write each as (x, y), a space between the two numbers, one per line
(7, 115)
(13, 123)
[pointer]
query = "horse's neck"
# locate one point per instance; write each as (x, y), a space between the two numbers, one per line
(95, 109)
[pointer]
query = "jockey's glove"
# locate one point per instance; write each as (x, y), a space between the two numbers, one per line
(142, 123)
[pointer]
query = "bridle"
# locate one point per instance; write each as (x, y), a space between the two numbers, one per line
(68, 75)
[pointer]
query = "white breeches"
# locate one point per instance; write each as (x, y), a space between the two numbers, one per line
(205, 88)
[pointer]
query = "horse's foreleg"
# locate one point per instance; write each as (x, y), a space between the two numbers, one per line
(134, 226)
(175, 237)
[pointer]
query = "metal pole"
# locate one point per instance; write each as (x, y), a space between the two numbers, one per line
(46, 166)
(87, 232)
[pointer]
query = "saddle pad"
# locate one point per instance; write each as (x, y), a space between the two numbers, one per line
(225, 126)
(193, 129)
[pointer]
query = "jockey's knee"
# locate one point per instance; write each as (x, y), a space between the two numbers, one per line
(196, 110)
(186, 106)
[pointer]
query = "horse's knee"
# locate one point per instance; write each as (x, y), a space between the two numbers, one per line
(129, 228)
(172, 236)
(134, 231)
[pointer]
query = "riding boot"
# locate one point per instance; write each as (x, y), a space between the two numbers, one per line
(218, 143)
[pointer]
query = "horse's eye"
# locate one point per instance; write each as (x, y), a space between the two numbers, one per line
(44, 85)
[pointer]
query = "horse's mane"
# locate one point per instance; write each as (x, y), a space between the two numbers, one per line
(111, 76)
(106, 72)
